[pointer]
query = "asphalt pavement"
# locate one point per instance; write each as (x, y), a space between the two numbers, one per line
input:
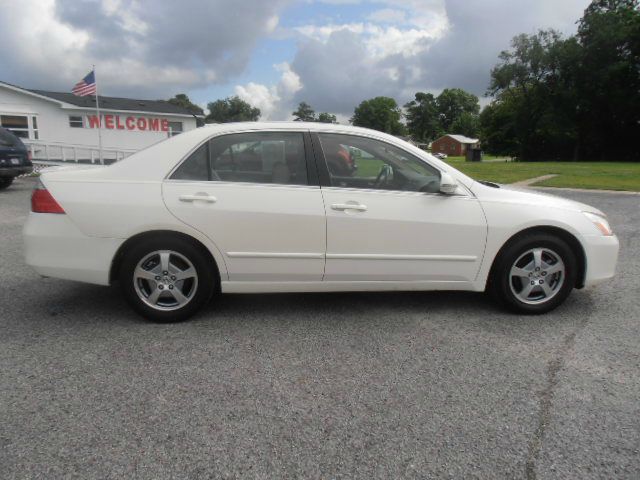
(358, 385)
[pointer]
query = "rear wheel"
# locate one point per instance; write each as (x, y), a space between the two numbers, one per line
(167, 279)
(534, 274)
(5, 182)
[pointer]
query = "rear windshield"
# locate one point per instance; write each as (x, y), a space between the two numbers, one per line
(8, 139)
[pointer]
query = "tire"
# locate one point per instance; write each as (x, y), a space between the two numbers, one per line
(163, 295)
(5, 182)
(515, 282)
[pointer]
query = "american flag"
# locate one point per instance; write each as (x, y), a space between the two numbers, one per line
(86, 86)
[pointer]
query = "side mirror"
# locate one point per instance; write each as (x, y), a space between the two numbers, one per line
(448, 185)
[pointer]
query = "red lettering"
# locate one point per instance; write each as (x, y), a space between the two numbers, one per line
(165, 125)
(94, 121)
(119, 126)
(108, 121)
(142, 123)
(131, 123)
(154, 124)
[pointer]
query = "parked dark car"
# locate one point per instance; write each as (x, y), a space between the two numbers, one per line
(14, 158)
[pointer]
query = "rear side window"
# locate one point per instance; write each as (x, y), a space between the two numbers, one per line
(196, 167)
(9, 140)
(256, 157)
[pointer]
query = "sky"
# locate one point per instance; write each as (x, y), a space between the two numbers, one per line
(272, 53)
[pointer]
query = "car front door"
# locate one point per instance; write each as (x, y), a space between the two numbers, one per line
(386, 220)
(252, 194)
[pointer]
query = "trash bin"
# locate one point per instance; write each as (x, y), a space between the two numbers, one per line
(474, 155)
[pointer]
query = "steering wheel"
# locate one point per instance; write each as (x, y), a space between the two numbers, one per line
(383, 176)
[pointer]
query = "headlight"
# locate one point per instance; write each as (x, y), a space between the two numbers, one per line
(600, 222)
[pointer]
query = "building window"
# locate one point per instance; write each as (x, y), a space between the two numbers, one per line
(34, 127)
(175, 128)
(19, 125)
(75, 121)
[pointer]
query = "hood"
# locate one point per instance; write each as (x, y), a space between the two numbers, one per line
(526, 196)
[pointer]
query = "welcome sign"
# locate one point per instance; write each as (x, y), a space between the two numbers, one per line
(119, 122)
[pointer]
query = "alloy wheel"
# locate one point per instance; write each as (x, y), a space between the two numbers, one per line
(165, 280)
(537, 276)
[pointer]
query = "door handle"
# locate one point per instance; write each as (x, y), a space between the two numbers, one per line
(201, 197)
(349, 206)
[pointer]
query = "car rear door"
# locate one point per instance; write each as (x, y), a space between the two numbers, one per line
(254, 196)
(386, 221)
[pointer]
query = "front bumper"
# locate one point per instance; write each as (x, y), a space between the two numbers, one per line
(55, 247)
(602, 256)
(15, 171)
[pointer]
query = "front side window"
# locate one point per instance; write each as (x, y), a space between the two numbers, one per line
(360, 162)
(269, 157)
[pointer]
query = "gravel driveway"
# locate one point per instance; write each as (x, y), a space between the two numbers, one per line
(365, 385)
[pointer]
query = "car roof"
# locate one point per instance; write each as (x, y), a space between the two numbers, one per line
(210, 128)
(155, 162)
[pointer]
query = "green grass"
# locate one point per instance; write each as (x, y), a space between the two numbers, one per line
(590, 175)
(368, 167)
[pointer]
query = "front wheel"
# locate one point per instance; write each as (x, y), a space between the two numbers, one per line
(534, 274)
(167, 279)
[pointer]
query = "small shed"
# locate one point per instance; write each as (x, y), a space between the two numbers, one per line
(454, 145)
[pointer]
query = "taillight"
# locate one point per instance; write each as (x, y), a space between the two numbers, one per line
(43, 202)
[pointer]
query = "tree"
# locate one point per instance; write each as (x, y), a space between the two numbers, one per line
(532, 95)
(423, 119)
(571, 98)
(497, 129)
(379, 113)
(304, 113)
(231, 109)
(325, 117)
(608, 80)
(467, 124)
(182, 100)
(452, 103)
(453, 111)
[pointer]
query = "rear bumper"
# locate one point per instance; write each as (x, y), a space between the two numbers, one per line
(54, 247)
(15, 171)
(602, 257)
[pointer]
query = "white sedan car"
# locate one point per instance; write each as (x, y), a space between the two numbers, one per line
(306, 207)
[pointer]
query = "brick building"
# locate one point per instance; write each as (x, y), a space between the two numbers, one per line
(453, 145)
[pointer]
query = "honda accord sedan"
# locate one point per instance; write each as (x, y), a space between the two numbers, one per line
(269, 207)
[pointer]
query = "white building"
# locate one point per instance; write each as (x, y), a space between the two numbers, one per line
(62, 126)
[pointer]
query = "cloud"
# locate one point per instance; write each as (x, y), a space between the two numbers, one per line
(155, 49)
(465, 56)
(387, 15)
(272, 100)
(140, 47)
(439, 44)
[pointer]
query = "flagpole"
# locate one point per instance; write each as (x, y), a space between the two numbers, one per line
(99, 119)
